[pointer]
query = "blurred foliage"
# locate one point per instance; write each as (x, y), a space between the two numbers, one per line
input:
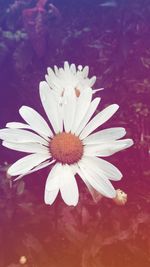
(66, 236)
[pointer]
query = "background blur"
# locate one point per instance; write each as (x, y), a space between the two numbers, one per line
(113, 38)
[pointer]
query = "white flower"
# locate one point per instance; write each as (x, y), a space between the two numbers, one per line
(70, 78)
(68, 144)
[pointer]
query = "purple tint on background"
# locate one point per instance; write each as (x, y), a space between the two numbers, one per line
(113, 39)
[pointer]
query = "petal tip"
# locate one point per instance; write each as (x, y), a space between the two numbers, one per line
(116, 106)
(130, 143)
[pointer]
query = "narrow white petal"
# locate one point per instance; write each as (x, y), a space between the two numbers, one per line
(52, 184)
(51, 106)
(35, 120)
(107, 149)
(21, 136)
(73, 68)
(83, 104)
(69, 111)
(48, 80)
(102, 167)
(92, 81)
(66, 66)
(53, 83)
(105, 135)
(25, 164)
(56, 70)
(61, 73)
(17, 125)
(53, 80)
(26, 147)
(94, 193)
(50, 196)
(93, 106)
(97, 90)
(98, 120)
(51, 72)
(68, 186)
(39, 167)
(85, 72)
(98, 182)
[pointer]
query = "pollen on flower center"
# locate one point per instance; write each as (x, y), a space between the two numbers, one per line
(66, 148)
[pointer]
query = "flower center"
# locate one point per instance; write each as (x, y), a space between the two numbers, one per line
(66, 148)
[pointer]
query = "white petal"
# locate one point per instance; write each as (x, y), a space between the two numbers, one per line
(90, 112)
(26, 147)
(61, 73)
(69, 111)
(52, 184)
(21, 136)
(39, 167)
(66, 66)
(48, 80)
(98, 120)
(73, 68)
(94, 193)
(35, 120)
(105, 135)
(97, 90)
(85, 72)
(53, 178)
(51, 106)
(99, 182)
(50, 196)
(107, 149)
(56, 70)
(83, 104)
(92, 81)
(25, 164)
(53, 83)
(52, 79)
(68, 186)
(17, 125)
(103, 167)
(50, 72)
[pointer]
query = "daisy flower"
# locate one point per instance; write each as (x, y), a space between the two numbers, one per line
(70, 78)
(67, 143)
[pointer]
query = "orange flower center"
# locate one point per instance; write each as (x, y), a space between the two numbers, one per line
(66, 148)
